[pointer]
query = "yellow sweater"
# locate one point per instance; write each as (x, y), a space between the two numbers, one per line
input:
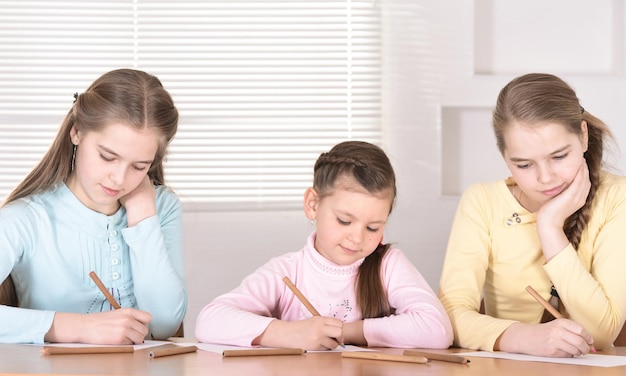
(494, 251)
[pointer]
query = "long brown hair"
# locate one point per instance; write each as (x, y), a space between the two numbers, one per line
(131, 97)
(537, 97)
(370, 167)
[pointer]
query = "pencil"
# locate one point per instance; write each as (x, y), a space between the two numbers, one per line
(380, 356)
(172, 351)
(301, 297)
(548, 307)
(104, 290)
(544, 303)
(263, 352)
(304, 300)
(443, 357)
(51, 350)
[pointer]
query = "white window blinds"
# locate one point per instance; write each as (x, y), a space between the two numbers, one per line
(262, 86)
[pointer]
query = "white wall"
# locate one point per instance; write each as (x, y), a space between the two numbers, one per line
(444, 63)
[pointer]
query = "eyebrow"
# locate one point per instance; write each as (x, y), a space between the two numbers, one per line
(564, 148)
(117, 155)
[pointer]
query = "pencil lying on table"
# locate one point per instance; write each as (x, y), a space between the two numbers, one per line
(171, 350)
(304, 300)
(442, 357)
(104, 290)
(380, 356)
(262, 352)
(51, 350)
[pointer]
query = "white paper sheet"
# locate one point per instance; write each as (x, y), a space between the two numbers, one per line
(596, 360)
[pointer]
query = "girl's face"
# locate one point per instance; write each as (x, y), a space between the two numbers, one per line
(543, 159)
(349, 223)
(109, 164)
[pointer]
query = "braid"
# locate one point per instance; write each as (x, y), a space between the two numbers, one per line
(337, 160)
(576, 223)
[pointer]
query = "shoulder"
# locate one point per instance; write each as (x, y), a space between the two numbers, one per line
(612, 186)
(30, 205)
(167, 201)
(611, 191)
(480, 197)
(395, 257)
(484, 190)
(612, 183)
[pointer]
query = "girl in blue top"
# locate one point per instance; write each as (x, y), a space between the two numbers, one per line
(97, 202)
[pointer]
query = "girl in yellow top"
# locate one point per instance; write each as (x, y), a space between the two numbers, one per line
(558, 224)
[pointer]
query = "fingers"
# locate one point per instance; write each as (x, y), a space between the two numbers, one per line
(572, 339)
(329, 332)
(128, 325)
(138, 325)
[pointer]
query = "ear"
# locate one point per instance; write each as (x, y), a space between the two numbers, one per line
(74, 135)
(311, 199)
(584, 132)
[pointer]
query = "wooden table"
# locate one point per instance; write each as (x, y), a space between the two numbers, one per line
(26, 359)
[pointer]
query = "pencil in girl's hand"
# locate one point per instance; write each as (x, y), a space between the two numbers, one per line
(303, 299)
(104, 290)
(548, 306)
(544, 303)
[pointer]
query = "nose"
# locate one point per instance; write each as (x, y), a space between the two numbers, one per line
(544, 174)
(117, 175)
(357, 235)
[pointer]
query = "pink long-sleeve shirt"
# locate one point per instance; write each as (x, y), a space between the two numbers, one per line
(238, 317)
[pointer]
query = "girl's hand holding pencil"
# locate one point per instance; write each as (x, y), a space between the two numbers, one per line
(558, 338)
(308, 305)
(315, 333)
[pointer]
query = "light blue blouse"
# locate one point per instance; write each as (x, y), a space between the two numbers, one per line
(50, 242)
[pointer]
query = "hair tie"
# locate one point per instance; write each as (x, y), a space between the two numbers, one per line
(582, 110)
(75, 97)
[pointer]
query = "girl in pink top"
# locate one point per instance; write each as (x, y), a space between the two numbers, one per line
(366, 292)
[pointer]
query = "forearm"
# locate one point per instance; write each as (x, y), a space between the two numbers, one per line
(157, 276)
(277, 334)
(552, 238)
(26, 325)
(222, 321)
(597, 306)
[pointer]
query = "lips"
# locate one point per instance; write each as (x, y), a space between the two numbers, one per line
(348, 250)
(552, 191)
(109, 191)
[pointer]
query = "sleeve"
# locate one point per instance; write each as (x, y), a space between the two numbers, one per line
(156, 255)
(595, 297)
(16, 232)
(464, 270)
(420, 320)
(240, 316)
